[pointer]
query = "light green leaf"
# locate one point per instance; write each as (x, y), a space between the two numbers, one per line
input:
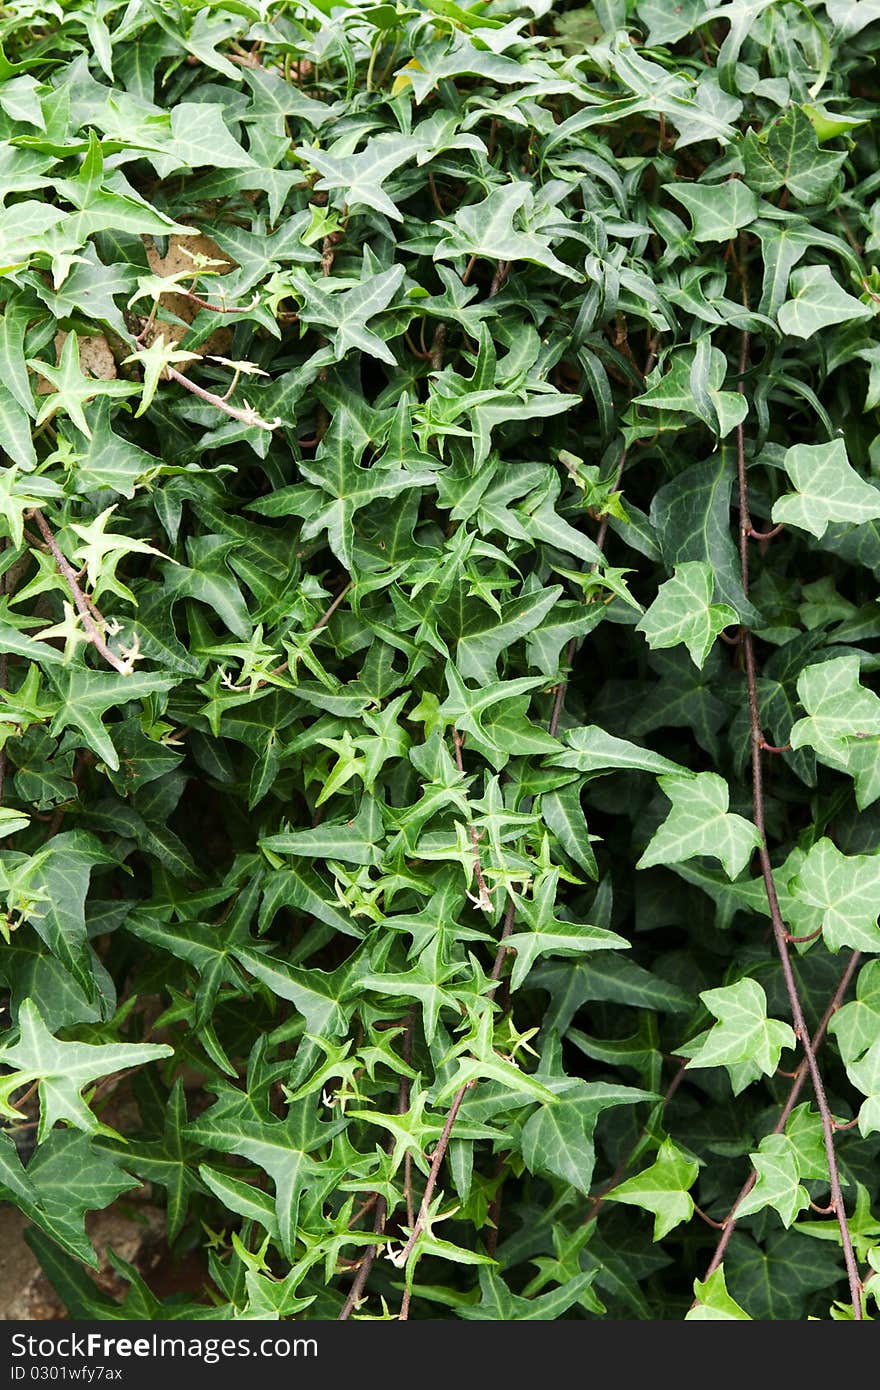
(827, 487)
(662, 1189)
(201, 137)
(817, 302)
(700, 823)
(857, 1024)
(718, 211)
(713, 1302)
(72, 389)
(845, 890)
(593, 750)
(843, 723)
(778, 1183)
(11, 821)
(683, 611)
(487, 229)
(62, 1069)
(743, 1032)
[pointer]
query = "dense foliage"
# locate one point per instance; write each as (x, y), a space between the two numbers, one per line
(440, 764)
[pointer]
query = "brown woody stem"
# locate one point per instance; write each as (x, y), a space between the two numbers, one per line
(68, 574)
(800, 1077)
(223, 308)
(780, 931)
(247, 416)
(484, 900)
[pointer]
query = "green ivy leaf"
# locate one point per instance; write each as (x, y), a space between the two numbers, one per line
(817, 302)
(855, 1025)
(827, 489)
(843, 891)
(67, 1176)
(718, 211)
(778, 1182)
(700, 824)
(72, 388)
(743, 1032)
(592, 750)
(683, 611)
(713, 1303)
(662, 1189)
(787, 154)
(558, 1139)
(62, 1069)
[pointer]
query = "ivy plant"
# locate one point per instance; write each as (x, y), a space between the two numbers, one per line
(440, 768)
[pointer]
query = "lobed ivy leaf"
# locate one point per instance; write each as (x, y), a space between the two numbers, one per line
(713, 1303)
(827, 489)
(743, 1032)
(787, 153)
(662, 1189)
(842, 890)
(717, 211)
(63, 1069)
(778, 1183)
(700, 824)
(558, 1139)
(817, 301)
(683, 611)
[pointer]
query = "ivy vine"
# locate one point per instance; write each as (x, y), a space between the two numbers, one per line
(440, 766)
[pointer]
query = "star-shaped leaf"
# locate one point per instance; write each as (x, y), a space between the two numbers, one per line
(425, 982)
(72, 389)
(101, 550)
(778, 1183)
(662, 1189)
(18, 495)
(363, 174)
(743, 1032)
(827, 488)
(87, 695)
(683, 611)
(550, 935)
(153, 360)
(341, 486)
(345, 313)
(62, 1069)
(68, 1176)
(487, 229)
(700, 823)
(845, 890)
